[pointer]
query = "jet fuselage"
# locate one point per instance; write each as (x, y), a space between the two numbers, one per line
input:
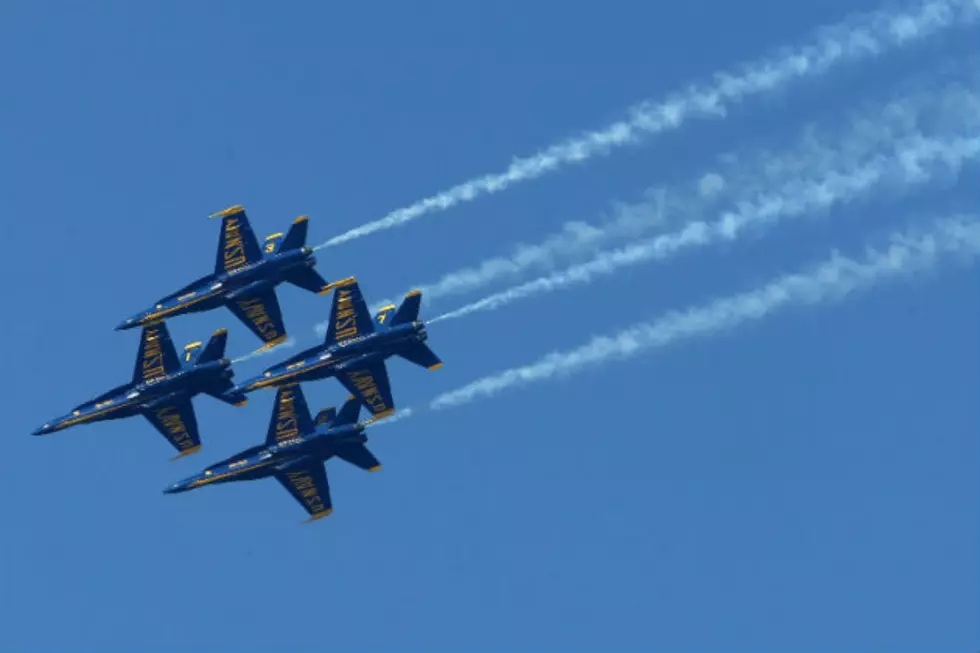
(215, 290)
(265, 460)
(323, 361)
(130, 399)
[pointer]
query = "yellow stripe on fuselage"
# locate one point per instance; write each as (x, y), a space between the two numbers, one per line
(316, 366)
(85, 418)
(210, 479)
(167, 311)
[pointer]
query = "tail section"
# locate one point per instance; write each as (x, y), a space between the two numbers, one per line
(384, 315)
(296, 236)
(409, 310)
(349, 412)
(215, 349)
(326, 416)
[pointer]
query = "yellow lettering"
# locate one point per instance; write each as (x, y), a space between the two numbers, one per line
(234, 246)
(345, 325)
(254, 310)
(287, 425)
(152, 363)
(174, 424)
(369, 390)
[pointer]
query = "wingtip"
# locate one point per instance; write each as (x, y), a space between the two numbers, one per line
(272, 343)
(319, 515)
(349, 281)
(186, 452)
(435, 367)
(326, 289)
(375, 468)
(231, 210)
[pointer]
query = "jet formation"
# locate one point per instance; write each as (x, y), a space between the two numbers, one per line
(355, 352)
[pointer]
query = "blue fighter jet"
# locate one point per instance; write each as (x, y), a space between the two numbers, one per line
(295, 450)
(245, 279)
(355, 349)
(162, 389)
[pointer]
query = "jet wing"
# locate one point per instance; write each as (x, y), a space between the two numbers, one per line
(307, 482)
(349, 315)
(261, 314)
(237, 245)
(290, 415)
(177, 422)
(369, 384)
(157, 355)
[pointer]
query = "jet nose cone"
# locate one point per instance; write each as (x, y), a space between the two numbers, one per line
(128, 323)
(173, 489)
(43, 430)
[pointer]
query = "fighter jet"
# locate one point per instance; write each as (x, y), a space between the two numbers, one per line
(295, 450)
(162, 389)
(355, 349)
(245, 279)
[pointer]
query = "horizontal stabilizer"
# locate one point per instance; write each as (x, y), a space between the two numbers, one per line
(236, 399)
(296, 237)
(308, 279)
(409, 310)
(420, 354)
(359, 456)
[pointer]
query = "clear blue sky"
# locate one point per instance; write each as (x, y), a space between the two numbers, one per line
(808, 482)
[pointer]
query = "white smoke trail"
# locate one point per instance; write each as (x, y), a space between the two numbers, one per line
(833, 279)
(398, 416)
(853, 39)
(817, 152)
(262, 352)
(913, 163)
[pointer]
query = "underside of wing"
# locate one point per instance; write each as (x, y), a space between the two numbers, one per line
(307, 482)
(260, 312)
(156, 356)
(177, 422)
(237, 244)
(369, 384)
(290, 415)
(349, 314)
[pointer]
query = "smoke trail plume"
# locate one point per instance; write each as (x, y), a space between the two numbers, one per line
(817, 152)
(913, 163)
(833, 279)
(262, 352)
(853, 39)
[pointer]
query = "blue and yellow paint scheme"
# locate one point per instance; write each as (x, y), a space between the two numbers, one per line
(162, 388)
(355, 349)
(245, 278)
(295, 450)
